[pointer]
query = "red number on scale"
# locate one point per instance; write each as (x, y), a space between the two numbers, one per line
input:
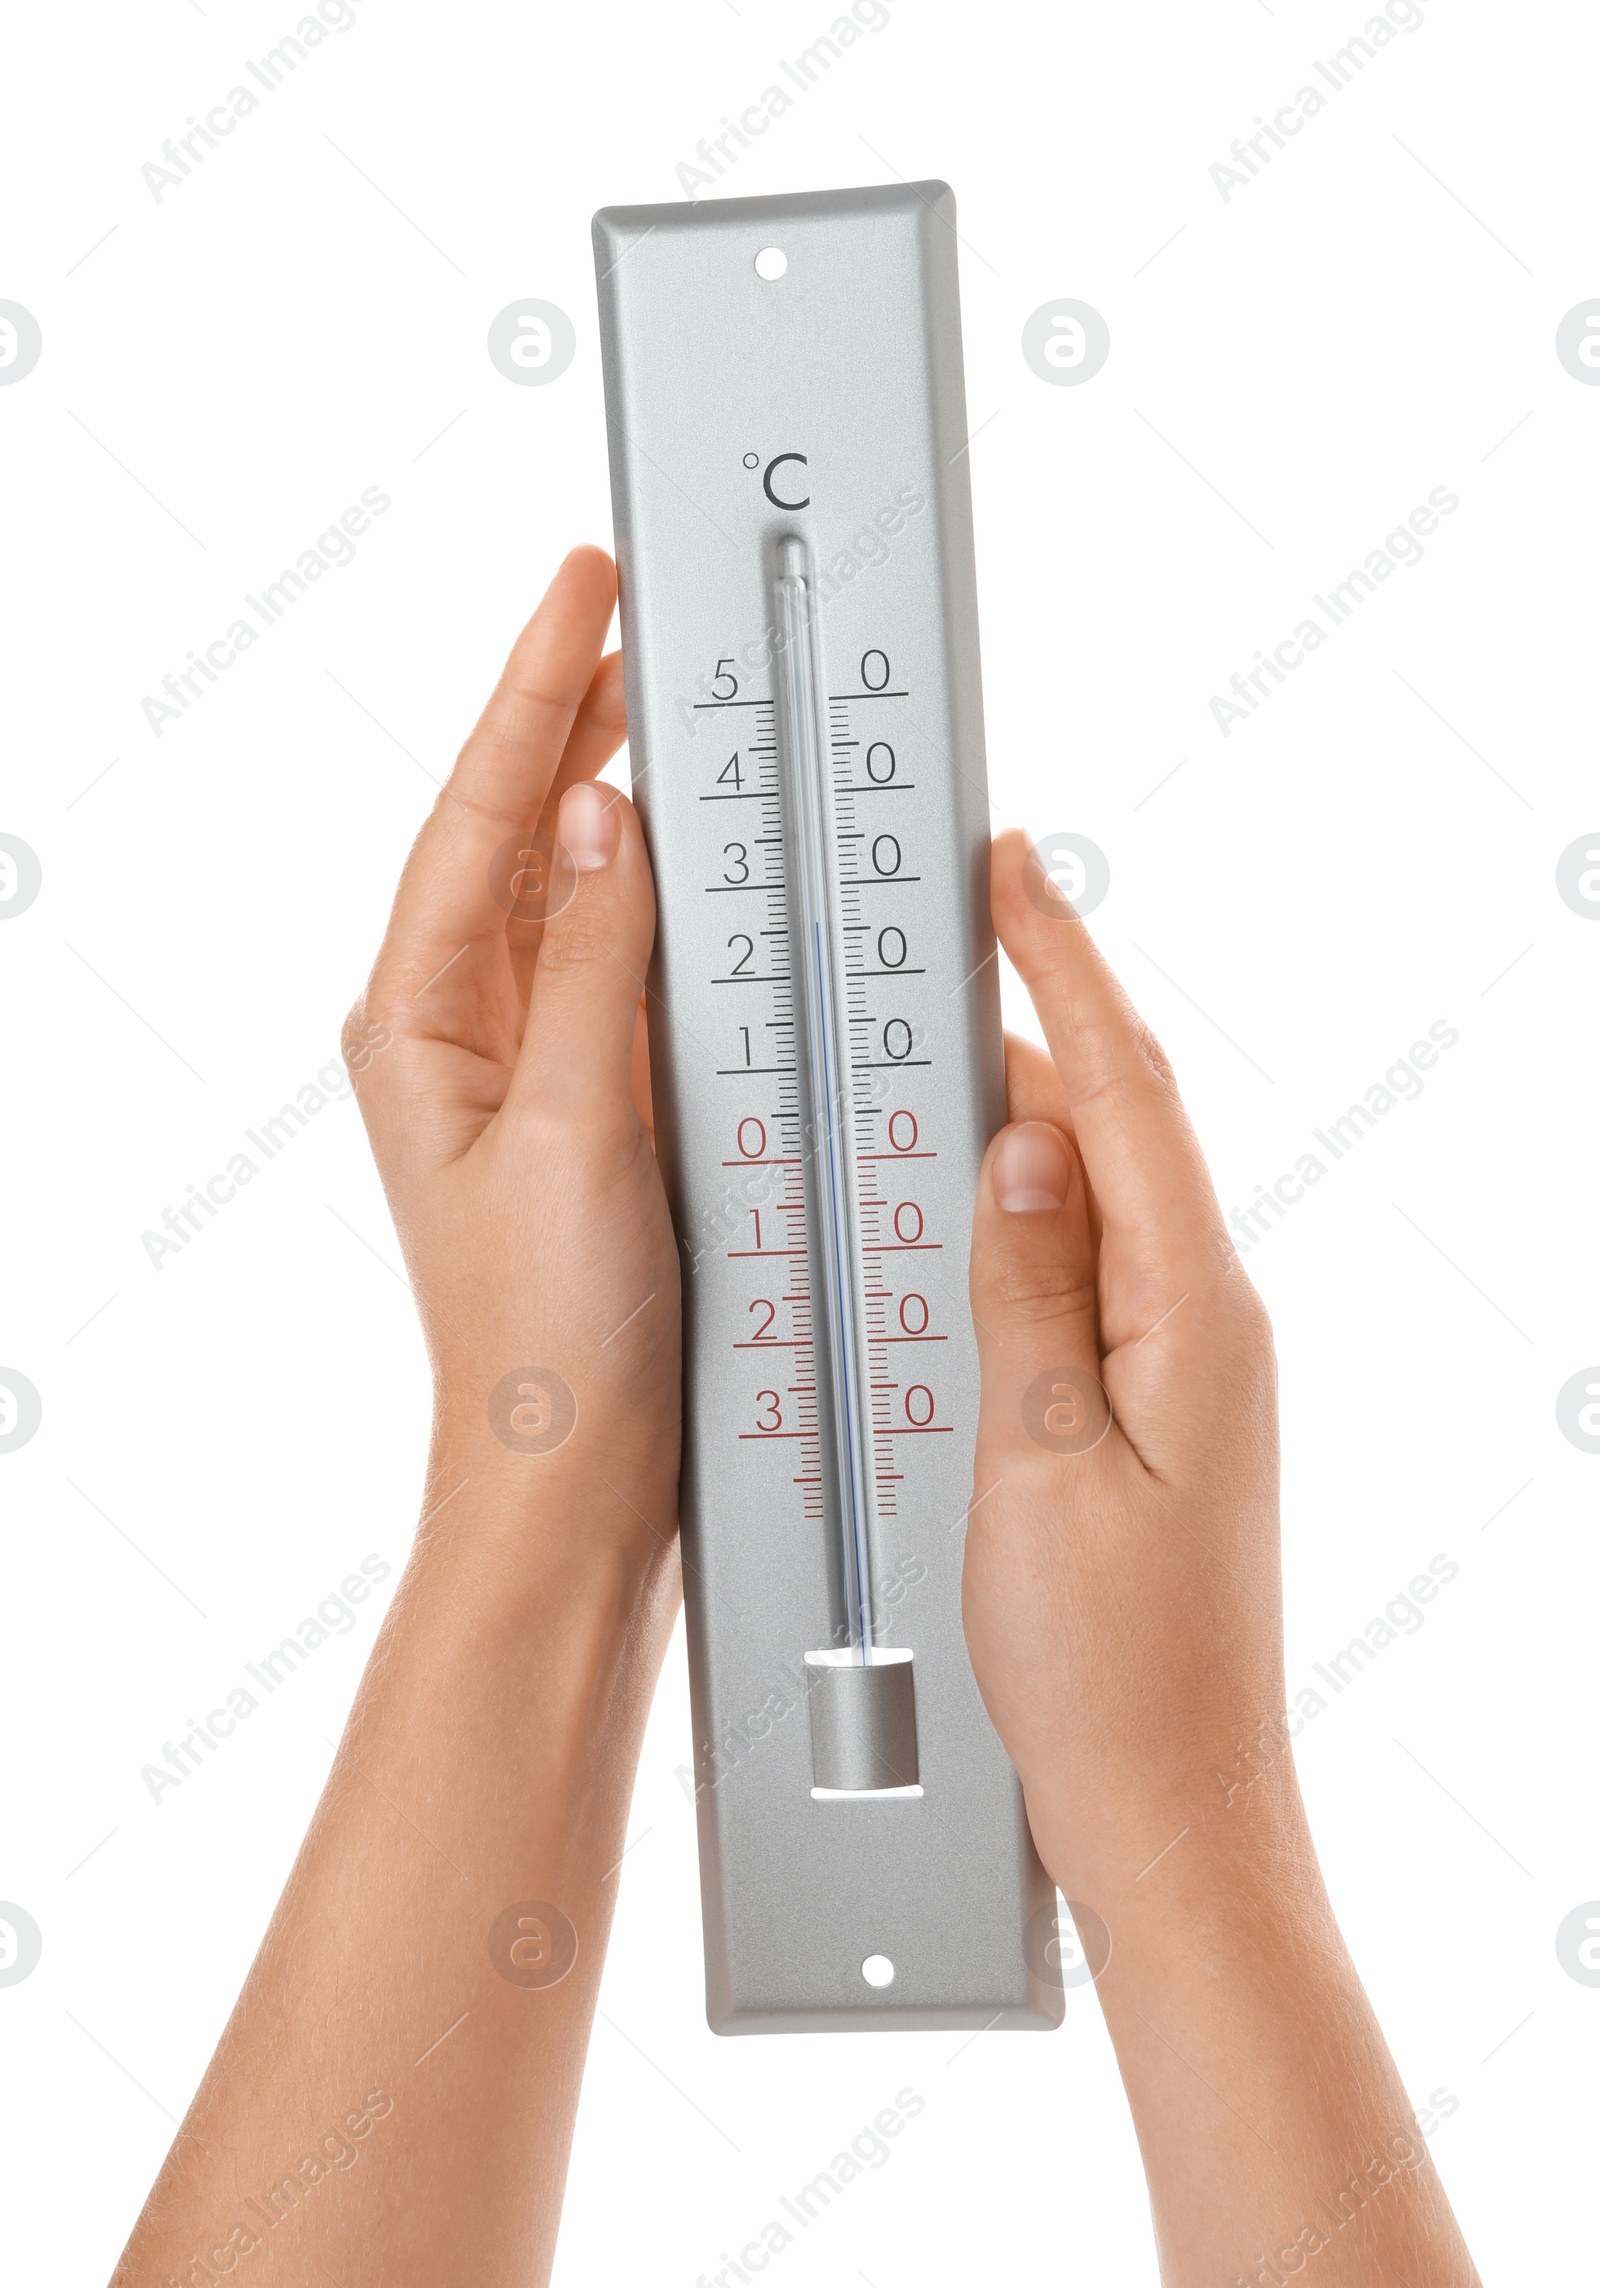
(771, 1309)
(757, 1149)
(908, 1222)
(769, 1400)
(910, 1305)
(920, 1414)
(902, 1143)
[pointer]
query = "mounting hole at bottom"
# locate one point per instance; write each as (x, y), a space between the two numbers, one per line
(878, 1970)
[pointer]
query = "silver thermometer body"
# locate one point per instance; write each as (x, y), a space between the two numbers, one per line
(794, 540)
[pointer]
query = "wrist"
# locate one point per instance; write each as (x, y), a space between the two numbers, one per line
(1208, 1932)
(535, 1491)
(521, 1642)
(1179, 1850)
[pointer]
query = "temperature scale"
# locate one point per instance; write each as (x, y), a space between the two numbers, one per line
(787, 423)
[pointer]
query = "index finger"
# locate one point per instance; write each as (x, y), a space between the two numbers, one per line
(1159, 1215)
(446, 899)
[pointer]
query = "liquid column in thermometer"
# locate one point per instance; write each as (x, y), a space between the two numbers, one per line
(837, 1333)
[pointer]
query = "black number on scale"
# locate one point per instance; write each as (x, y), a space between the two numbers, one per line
(885, 856)
(873, 681)
(741, 967)
(880, 762)
(897, 1039)
(730, 769)
(722, 675)
(892, 948)
(745, 1030)
(741, 858)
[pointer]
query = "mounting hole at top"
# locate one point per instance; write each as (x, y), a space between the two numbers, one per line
(771, 262)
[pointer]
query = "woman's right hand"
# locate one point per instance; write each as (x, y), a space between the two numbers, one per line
(494, 1053)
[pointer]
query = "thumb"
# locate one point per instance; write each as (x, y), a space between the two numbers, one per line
(1033, 1295)
(577, 1045)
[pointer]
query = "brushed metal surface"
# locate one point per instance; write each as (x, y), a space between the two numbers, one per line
(828, 402)
(864, 1727)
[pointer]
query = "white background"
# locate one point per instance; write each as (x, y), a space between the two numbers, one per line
(1374, 850)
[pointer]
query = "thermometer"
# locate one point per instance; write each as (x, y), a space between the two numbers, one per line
(787, 427)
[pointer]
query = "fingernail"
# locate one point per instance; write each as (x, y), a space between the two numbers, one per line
(588, 826)
(1032, 1168)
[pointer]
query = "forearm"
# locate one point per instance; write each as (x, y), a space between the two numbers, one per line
(1277, 2137)
(488, 1763)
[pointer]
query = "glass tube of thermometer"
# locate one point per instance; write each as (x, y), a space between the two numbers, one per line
(839, 1347)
